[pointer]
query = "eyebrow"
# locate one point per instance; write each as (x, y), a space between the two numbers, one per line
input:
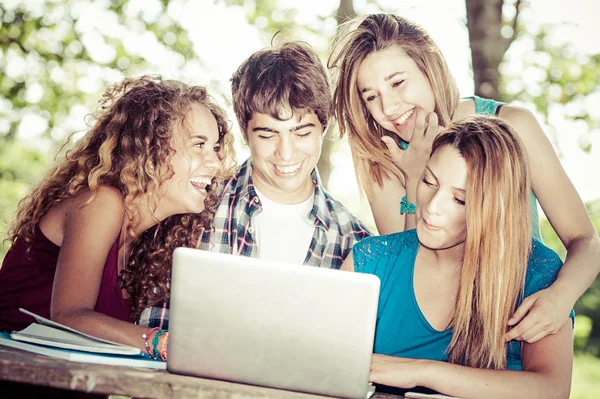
(292, 130)
(199, 136)
(387, 78)
(436, 179)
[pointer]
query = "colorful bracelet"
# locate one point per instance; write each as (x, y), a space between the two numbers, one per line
(146, 337)
(155, 352)
(407, 207)
(162, 346)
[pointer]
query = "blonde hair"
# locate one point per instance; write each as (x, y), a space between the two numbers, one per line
(355, 41)
(498, 240)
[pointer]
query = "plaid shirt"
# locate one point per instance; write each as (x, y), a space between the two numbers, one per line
(336, 230)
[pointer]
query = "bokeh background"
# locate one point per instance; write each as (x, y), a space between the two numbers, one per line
(57, 56)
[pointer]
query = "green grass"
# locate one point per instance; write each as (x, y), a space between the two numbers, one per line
(586, 377)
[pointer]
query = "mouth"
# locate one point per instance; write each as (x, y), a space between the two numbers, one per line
(430, 226)
(288, 170)
(200, 183)
(401, 120)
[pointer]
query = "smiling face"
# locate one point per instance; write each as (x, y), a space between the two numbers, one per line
(392, 86)
(194, 163)
(441, 213)
(284, 154)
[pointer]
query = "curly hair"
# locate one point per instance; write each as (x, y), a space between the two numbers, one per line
(129, 147)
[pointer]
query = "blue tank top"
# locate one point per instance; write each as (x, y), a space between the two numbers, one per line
(485, 106)
(402, 329)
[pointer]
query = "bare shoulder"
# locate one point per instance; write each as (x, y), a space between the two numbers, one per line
(521, 119)
(106, 197)
(105, 207)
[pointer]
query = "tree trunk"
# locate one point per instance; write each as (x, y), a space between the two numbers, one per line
(484, 22)
(344, 12)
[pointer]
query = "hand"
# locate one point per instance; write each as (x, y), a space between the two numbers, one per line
(539, 315)
(412, 160)
(395, 371)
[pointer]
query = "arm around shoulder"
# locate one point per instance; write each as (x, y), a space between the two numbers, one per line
(561, 204)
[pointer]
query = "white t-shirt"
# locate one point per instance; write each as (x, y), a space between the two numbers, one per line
(283, 232)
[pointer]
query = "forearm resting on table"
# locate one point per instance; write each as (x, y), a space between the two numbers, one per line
(102, 326)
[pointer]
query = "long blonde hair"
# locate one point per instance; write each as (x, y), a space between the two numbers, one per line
(355, 41)
(498, 240)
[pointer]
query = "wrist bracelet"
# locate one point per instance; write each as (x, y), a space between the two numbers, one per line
(155, 352)
(146, 337)
(407, 207)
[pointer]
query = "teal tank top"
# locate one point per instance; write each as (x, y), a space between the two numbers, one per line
(484, 106)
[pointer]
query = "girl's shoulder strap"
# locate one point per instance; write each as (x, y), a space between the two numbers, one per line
(486, 106)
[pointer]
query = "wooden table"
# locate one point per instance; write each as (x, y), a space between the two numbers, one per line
(21, 372)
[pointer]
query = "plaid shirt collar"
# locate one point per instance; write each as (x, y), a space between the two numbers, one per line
(241, 186)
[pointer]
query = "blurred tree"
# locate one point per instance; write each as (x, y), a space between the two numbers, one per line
(56, 57)
(490, 36)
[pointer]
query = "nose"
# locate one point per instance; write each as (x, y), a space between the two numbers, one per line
(212, 161)
(286, 147)
(390, 103)
(433, 206)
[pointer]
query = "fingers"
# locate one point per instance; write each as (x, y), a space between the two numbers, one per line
(420, 125)
(523, 309)
(393, 148)
(433, 128)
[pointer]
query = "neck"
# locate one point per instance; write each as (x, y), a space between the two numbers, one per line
(447, 258)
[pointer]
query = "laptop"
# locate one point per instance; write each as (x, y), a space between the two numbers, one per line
(271, 324)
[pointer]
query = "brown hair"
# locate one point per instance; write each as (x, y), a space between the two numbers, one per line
(129, 147)
(281, 81)
(498, 240)
(355, 41)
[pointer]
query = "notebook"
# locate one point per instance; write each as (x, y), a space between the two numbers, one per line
(271, 324)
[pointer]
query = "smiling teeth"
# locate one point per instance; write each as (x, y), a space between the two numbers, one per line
(404, 117)
(288, 169)
(201, 180)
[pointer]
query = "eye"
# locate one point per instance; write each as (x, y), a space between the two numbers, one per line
(370, 98)
(304, 134)
(199, 144)
(263, 137)
(398, 83)
(424, 180)
(217, 148)
(459, 202)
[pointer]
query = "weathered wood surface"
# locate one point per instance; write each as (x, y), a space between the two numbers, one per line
(17, 366)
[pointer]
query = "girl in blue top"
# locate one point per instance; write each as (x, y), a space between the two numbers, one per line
(449, 287)
(394, 88)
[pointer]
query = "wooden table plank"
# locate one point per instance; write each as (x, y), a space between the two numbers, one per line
(30, 368)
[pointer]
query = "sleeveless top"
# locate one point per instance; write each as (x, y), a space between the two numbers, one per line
(26, 282)
(484, 106)
(402, 329)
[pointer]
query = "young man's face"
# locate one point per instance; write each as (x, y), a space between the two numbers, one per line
(284, 153)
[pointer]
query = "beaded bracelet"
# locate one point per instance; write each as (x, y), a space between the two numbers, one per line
(407, 207)
(155, 352)
(146, 337)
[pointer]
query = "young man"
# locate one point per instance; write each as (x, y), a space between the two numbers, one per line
(275, 206)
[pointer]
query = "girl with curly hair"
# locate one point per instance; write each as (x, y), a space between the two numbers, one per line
(151, 160)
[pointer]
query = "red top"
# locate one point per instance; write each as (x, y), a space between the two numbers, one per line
(26, 282)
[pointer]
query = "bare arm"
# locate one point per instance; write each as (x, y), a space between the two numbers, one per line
(385, 206)
(547, 368)
(348, 265)
(568, 216)
(90, 230)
